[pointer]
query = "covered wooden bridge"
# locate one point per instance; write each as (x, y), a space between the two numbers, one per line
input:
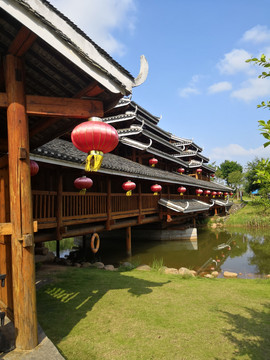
(52, 76)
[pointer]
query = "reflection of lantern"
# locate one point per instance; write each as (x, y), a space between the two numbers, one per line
(212, 175)
(214, 194)
(128, 187)
(199, 171)
(199, 192)
(83, 183)
(219, 193)
(34, 168)
(181, 170)
(181, 190)
(153, 162)
(207, 192)
(231, 193)
(156, 189)
(95, 138)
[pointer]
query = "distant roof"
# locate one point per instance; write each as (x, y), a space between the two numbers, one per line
(63, 153)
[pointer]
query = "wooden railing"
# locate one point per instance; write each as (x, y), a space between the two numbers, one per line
(44, 205)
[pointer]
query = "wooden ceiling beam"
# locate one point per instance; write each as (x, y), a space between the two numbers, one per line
(91, 90)
(22, 42)
(58, 107)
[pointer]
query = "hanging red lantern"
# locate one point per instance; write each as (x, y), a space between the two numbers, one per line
(214, 193)
(128, 186)
(220, 193)
(83, 183)
(199, 171)
(199, 192)
(226, 194)
(212, 175)
(156, 189)
(153, 162)
(207, 192)
(181, 170)
(34, 168)
(231, 193)
(95, 138)
(181, 190)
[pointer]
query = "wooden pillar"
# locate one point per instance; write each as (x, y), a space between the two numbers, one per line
(194, 222)
(59, 212)
(128, 240)
(109, 206)
(22, 240)
(216, 211)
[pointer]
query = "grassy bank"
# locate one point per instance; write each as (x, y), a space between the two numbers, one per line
(252, 214)
(102, 315)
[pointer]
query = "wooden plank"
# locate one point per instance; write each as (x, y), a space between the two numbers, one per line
(23, 266)
(63, 107)
(3, 100)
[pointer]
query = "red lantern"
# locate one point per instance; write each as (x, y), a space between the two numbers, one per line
(214, 194)
(128, 187)
(83, 183)
(212, 175)
(153, 162)
(34, 168)
(199, 192)
(199, 171)
(95, 138)
(181, 170)
(226, 194)
(231, 193)
(156, 189)
(207, 192)
(220, 193)
(181, 190)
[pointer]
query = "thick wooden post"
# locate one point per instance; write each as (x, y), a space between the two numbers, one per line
(128, 240)
(22, 240)
(59, 212)
(140, 203)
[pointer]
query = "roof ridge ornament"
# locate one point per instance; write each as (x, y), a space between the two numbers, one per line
(140, 79)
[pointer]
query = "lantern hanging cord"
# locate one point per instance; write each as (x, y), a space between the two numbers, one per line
(94, 160)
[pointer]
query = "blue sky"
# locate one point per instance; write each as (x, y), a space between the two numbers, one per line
(198, 79)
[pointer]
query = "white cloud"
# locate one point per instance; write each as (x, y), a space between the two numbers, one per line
(234, 62)
(220, 87)
(191, 88)
(99, 18)
(257, 34)
(252, 89)
(236, 152)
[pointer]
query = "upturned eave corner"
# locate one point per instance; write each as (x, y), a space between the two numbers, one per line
(144, 67)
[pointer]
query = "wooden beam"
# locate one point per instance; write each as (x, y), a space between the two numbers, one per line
(23, 265)
(63, 107)
(3, 100)
(22, 42)
(5, 228)
(91, 90)
(109, 210)
(128, 240)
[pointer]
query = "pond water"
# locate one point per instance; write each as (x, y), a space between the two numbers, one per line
(244, 251)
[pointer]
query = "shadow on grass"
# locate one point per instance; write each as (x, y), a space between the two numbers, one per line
(250, 333)
(64, 303)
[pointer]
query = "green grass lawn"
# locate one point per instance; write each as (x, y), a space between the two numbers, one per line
(253, 214)
(100, 315)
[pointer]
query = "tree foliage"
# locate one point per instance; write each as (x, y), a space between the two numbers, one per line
(263, 125)
(251, 176)
(227, 167)
(235, 179)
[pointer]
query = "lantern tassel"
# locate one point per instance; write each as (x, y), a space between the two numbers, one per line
(82, 191)
(129, 193)
(94, 160)
(155, 193)
(153, 165)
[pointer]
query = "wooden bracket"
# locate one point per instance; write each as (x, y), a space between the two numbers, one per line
(23, 154)
(27, 240)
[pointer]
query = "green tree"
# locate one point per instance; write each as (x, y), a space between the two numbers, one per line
(263, 178)
(263, 125)
(235, 180)
(251, 176)
(228, 167)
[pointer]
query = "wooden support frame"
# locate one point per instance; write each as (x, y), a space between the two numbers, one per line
(23, 267)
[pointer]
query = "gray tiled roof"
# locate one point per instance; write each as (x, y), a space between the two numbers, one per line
(63, 150)
(185, 206)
